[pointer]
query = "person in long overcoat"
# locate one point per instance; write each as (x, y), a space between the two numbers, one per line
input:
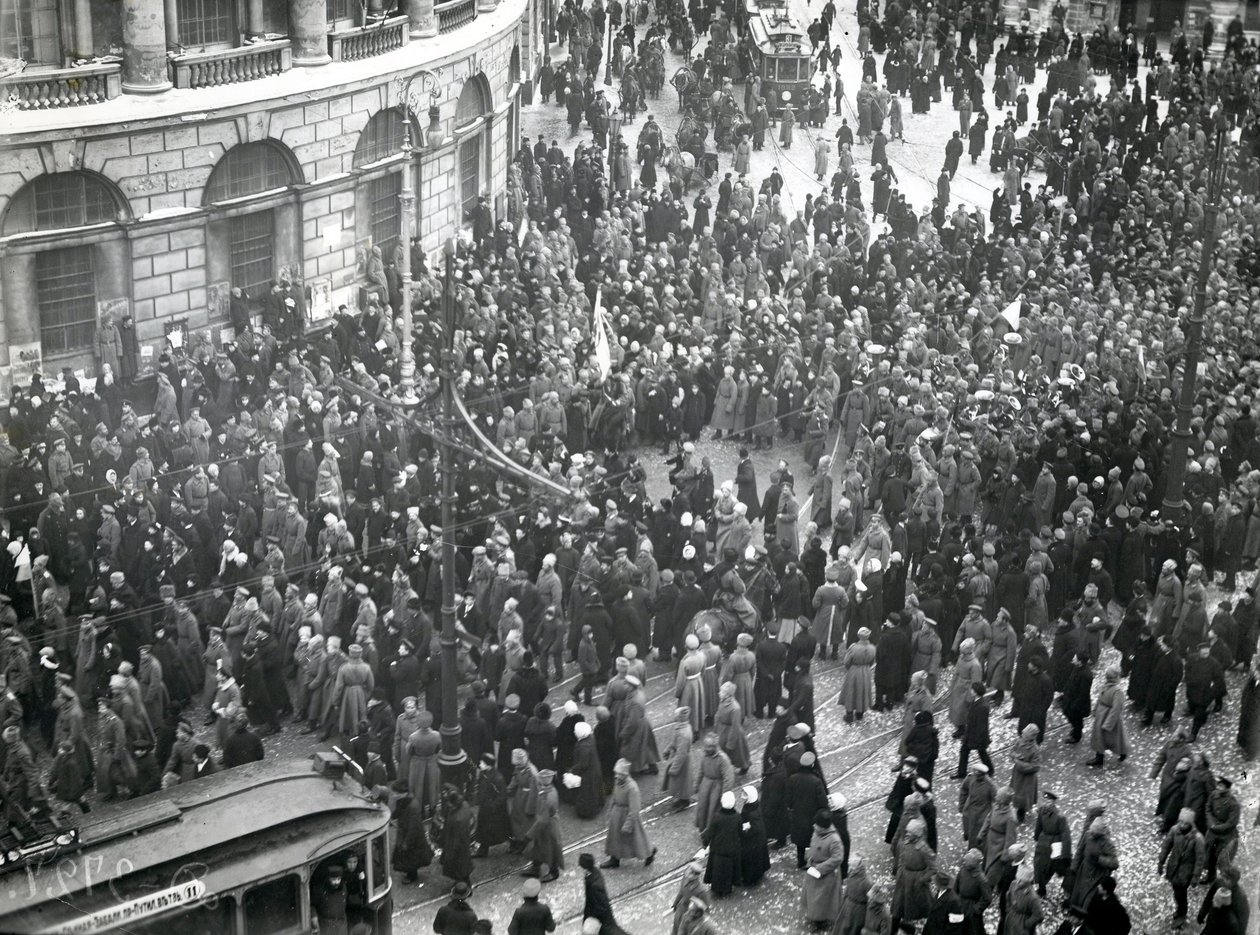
(1003, 651)
(967, 671)
(1000, 831)
(830, 603)
(785, 526)
(858, 691)
(774, 809)
(754, 861)
(973, 888)
(721, 837)
(857, 886)
(351, 690)
(892, 674)
(822, 888)
(806, 797)
(1025, 765)
(494, 820)
(412, 850)
(690, 887)
(1051, 829)
(1094, 859)
(1023, 906)
(878, 916)
(625, 837)
(637, 740)
(455, 823)
(724, 403)
(589, 798)
(975, 800)
(715, 776)
(689, 686)
(419, 763)
(546, 847)
(115, 768)
(912, 889)
(1109, 731)
(522, 798)
(746, 485)
(740, 668)
(677, 778)
(729, 724)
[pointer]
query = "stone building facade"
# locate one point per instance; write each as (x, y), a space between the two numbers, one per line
(154, 200)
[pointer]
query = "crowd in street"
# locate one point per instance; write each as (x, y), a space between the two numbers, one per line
(262, 549)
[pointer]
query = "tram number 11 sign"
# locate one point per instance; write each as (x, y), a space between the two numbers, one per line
(183, 895)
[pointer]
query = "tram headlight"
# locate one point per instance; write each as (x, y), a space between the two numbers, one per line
(786, 95)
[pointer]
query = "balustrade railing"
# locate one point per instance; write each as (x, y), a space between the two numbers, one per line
(454, 14)
(62, 87)
(231, 66)
(353, 45)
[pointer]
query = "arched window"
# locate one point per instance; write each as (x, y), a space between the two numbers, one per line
(381, 138)
(378, 195)
(244, 240)
(63, 200)
(65, 279)
(473, 105)
(250, 169)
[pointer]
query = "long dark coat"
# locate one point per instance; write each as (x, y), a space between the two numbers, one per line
(892, 662)
(754, 861)
(722, 837)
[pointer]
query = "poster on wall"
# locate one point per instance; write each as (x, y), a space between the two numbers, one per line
(24, 361)
(219, 300)
(319, 300)
(115, 309)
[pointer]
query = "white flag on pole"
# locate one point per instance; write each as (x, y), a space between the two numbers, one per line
(603, 356)
(1011, 314)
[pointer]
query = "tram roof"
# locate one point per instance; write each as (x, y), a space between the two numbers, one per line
(775, 30)
(221, 815)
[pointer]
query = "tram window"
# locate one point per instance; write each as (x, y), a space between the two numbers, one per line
(806, 69)
(215, 917)
(787, 69)
(274, 906)
(379, 881)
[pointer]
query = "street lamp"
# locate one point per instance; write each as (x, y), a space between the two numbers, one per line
(407, 202)
(451, 760)
(1174, 506)
(608, 59)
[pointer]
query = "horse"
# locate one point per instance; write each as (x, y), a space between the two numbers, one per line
(723, 625)
(680, 165)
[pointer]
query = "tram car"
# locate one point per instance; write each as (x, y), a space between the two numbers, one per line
(781, 53)
(248, 851)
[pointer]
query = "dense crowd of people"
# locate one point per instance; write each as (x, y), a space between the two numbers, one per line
(263, 547)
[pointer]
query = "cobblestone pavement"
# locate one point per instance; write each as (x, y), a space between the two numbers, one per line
(856, 757)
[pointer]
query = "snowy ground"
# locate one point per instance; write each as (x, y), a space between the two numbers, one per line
(857, 757)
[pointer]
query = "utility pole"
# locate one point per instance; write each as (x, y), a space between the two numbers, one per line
(451, 761)
(1174, 506)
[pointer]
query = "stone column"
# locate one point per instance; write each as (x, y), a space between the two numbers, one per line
(308, 30)
(144, 47)
(423, 19)
(257, 20)
(172, 22)
(84, 41)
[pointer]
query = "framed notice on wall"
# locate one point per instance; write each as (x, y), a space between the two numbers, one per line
(319, 299)
(219, 300)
